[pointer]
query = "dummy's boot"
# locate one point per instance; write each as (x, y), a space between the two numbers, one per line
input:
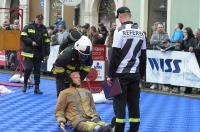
(106, 128)
(24, 88)
(37, 90)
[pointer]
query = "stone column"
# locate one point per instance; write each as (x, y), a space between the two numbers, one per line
(87, 12)
(169, 14)
(46, 13)
(24, 4)
(143, 14)
(4, 4)
(94, 19)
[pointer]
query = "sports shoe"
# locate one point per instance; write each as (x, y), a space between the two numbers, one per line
(165, 89)
(175, 90)
(153, 86)
(24, 88)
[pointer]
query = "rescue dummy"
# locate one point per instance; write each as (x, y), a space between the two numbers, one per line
(75, 105)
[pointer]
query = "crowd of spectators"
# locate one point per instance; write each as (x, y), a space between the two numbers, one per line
(183, 39)
(10, 54)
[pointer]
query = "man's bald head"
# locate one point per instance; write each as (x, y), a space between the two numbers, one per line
(75, 76)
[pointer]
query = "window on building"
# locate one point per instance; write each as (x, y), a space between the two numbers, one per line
(106, 12)
(55, 11)
(13, 13)
(157, 12)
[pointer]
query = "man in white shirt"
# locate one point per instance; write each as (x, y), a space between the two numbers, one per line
(62, 34)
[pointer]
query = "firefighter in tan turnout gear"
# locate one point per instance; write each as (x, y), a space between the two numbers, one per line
(76, 105)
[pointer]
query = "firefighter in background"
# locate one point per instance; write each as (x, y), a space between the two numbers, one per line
(76, 57)
(36, 47)
(76, 105)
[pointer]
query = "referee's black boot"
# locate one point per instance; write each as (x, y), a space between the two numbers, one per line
(24, 88)
(37, 90)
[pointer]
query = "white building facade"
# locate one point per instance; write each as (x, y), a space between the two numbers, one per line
(144, 12)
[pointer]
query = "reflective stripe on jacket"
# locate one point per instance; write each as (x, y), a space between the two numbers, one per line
(38, 34)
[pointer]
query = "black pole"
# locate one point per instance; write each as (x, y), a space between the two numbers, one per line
(77, 14)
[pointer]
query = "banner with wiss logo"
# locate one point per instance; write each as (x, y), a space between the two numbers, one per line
(173, 67)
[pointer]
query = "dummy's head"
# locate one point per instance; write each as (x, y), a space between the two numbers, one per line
(83, 47)
(76, 79)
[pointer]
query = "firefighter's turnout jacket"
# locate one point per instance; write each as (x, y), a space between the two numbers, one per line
(38, 34)
(68, 62)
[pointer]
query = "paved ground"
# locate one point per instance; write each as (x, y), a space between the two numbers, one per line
(160, 112)
(145, 89)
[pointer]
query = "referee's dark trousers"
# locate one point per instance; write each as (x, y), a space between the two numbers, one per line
(131, 93)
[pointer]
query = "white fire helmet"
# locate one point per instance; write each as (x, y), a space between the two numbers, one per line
(83, 46)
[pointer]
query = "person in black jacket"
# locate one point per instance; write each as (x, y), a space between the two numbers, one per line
(103, 35)
(76, 57)
(188, 44)
(36, 47)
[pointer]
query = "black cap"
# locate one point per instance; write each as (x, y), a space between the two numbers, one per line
(103, 28)
(59, 17)
(39, 16)
(177, 41)
(87, 25)
(122, 10)
(74, 35)
(101, 24)
(51, 27)
(166, 41)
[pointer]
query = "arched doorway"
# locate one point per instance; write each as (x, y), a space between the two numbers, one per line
(13, 13)
(107, 12)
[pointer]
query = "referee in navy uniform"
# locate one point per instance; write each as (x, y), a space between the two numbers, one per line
(128, 63)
